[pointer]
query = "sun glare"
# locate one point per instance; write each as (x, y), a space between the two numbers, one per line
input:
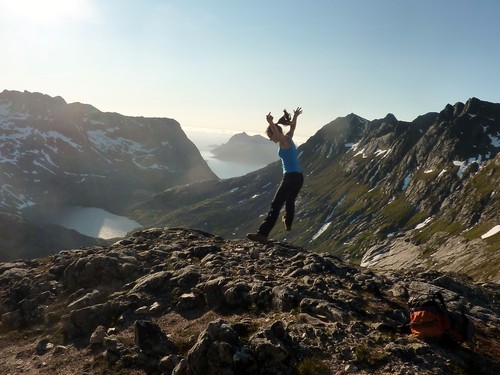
(46, 12)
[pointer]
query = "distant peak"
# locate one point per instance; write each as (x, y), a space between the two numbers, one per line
(390, 118)
(32, 97)
(472, 106)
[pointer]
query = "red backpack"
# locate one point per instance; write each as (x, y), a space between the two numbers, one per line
(430, 320)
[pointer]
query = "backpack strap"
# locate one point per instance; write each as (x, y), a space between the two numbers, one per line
(440, 298)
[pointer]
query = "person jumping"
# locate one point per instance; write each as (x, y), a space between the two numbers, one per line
(293, 178)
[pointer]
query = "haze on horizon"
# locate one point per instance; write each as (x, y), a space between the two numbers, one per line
(224, 65)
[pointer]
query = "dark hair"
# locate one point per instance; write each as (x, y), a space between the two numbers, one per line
(270, 130)
(286, 119)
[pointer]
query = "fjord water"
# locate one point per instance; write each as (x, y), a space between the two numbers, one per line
(227, 169)
(206, 140)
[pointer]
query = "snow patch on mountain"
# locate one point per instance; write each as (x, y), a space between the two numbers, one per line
(424, 223)
(382, 153)
(406, 182)
(321, 230)
(491, 232)
(495, 140)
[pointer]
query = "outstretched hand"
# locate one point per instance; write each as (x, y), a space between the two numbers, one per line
(297, 112)
(269, 118)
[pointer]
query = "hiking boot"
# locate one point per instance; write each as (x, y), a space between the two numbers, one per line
(258, 237)
(288, 228)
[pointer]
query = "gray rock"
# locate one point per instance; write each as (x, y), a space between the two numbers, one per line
(87, 300)
(213, 290)
(214, 351)
(152, 283)
(93, 271)
(43, 346)
(237, 295)
(321, 309)
(98, 335)
(84, 321)
(150, 339)
(330, 316)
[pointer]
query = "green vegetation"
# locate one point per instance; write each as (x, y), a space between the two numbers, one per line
(493, 243)
(429, 176)
(398, 211)
(427, 251)
(416, 219)
(363, 240)
(369, 356)
(483, 181)
(440, 225)
(477, 231)
(312, 366)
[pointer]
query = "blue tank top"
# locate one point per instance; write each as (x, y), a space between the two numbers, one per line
(289, 158)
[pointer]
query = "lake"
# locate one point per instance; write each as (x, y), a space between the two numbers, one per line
(98, 223)
(95, 222)
(206, 140)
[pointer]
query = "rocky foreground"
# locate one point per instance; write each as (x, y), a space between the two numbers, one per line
(179, 301)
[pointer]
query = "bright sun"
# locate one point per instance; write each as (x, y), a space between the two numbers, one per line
(46, 12)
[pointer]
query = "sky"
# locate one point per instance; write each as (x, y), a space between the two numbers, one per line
(225, 64)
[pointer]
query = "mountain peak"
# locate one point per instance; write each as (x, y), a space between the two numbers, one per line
(247, 149)
(390, 118)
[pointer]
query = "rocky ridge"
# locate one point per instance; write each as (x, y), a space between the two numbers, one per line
(181, 301)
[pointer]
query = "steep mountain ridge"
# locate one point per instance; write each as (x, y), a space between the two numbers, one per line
(54, 153)
(371, 186)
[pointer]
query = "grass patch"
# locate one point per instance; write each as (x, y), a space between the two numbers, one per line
(482, 181)
(398, 211)
(478, 230)
(440, 225)
(417, 218)
(368, 356)
(312, 366)
(429, 176)
(493, 243)
(427, 251)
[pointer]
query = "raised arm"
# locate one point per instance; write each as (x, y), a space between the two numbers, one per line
(293, 124)
(278, 136)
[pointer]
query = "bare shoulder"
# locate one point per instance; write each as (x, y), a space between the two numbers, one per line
(286, 141)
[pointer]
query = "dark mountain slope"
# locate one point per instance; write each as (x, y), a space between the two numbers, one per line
(22, 239)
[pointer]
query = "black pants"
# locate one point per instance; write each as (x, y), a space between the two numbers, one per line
(285, 195)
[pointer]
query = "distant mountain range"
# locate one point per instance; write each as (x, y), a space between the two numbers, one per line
(382, 193)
